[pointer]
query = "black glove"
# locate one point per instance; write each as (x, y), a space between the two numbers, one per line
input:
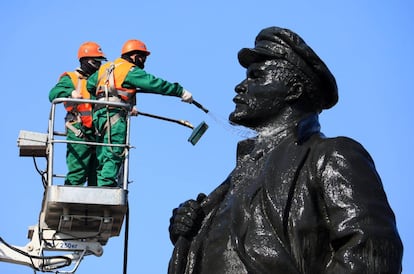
(186, 219)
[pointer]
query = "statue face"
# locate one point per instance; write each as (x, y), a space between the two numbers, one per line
(261, 96)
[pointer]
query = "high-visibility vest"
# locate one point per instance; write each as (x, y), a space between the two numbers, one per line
(111, 75)
(83, 109)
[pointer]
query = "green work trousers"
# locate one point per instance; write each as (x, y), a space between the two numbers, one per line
(81, 158)
(110, 158)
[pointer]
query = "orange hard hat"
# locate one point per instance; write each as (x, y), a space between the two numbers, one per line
(134, 45)
(90, 49)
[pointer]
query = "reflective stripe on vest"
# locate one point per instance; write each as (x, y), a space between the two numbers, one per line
(111, 76)
(84, 109)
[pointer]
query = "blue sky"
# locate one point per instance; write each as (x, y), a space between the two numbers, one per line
(368, 45)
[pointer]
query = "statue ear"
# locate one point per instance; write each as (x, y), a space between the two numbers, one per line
(295, 92)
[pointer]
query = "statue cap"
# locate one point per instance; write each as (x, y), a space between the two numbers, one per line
(279, 43)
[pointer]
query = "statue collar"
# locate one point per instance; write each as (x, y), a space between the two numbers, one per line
(271, 137)
(307, 127)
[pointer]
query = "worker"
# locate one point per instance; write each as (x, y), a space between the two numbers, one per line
(119, 81)
(80, 158)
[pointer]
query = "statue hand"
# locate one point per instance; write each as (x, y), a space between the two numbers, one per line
(186, 219)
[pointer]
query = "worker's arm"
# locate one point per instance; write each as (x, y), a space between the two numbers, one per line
(138, 78)
(63, 89)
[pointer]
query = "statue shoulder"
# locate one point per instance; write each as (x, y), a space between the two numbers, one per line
(341, 153)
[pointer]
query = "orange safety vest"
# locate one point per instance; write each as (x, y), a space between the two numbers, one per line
(111, 75)
(84, 109)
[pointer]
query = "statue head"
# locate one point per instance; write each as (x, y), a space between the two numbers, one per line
(282, 71)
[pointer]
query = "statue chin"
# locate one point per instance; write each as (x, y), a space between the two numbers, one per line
(236, 117)
(242, 119)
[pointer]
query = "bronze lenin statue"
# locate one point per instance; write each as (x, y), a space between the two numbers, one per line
(297, 201)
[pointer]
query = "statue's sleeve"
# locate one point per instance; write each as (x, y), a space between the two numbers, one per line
(182, 247)
(362, 226)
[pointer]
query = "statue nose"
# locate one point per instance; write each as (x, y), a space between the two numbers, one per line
(241, 88)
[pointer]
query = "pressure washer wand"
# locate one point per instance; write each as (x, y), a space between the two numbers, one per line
(197, 104)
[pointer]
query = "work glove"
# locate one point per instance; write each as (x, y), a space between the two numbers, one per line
(186, 220)
(134, 111)
(186, 96)
(76, 94)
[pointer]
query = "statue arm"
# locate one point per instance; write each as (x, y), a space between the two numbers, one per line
(362, 226)
(187, 218)
(186, 222)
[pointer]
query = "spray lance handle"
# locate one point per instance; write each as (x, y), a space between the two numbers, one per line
(197, 104)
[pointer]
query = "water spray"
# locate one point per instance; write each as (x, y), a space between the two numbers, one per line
(238, 130)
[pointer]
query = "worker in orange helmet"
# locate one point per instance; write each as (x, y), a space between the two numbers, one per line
(80, 158)
(119, 81)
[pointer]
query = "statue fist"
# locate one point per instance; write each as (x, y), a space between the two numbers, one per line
(186, 219)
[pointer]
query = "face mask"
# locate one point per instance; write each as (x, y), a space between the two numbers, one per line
(139, 61)
(90, 66)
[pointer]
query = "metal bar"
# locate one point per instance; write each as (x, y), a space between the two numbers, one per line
(181, 122)
(95, 102)
(50, 145)
(126, 158)
(88, 143)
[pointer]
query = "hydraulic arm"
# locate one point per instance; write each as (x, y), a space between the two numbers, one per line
(34, 253)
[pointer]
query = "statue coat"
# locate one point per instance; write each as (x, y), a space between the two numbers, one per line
(297, 202)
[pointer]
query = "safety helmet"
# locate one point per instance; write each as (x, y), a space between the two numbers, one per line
(90, 49)
(134, 45)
